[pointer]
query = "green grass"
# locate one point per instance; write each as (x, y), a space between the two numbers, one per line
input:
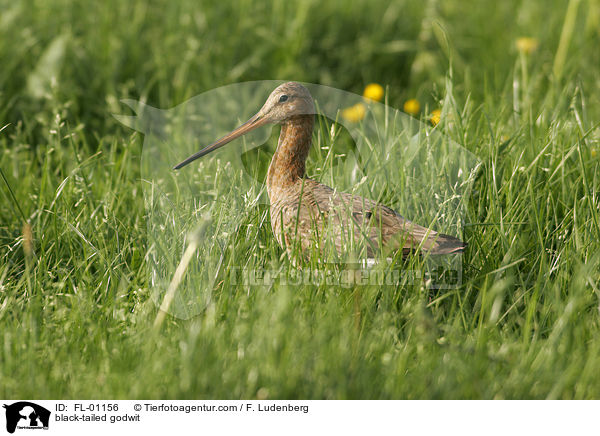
(76, 313)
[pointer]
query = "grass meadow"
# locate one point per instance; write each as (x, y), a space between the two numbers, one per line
(517, 85)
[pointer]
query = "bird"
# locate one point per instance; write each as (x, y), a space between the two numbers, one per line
(304, 212)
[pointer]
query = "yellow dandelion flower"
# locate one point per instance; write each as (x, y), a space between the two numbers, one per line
(436, 116)
(526, 44)
(354, 113)
(412, 106)
(373, 91)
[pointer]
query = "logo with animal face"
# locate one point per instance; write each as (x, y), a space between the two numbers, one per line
(26, 415)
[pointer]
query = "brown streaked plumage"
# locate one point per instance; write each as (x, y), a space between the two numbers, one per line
(304, 211)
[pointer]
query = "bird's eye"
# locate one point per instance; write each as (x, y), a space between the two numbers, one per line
(283, 98)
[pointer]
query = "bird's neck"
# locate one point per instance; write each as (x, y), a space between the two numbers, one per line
(288, 163)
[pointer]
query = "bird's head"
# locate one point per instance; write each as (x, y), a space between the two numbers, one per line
(286, 102)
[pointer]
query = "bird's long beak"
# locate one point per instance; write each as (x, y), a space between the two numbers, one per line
(254, 122)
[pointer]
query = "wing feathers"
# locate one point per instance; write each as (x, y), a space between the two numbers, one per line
(322, 210)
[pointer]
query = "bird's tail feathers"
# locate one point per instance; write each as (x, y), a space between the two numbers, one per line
(446, 244)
